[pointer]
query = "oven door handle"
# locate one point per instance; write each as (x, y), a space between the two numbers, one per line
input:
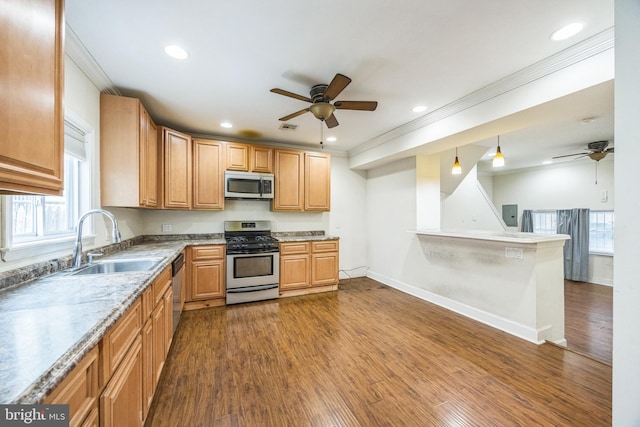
(251, 289)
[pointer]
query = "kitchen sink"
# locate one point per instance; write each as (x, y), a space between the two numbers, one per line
(118, 266)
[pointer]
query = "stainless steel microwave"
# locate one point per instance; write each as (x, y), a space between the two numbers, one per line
(248, 185)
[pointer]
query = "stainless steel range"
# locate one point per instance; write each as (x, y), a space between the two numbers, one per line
(253, 261)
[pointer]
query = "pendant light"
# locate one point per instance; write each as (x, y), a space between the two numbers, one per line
(456, 169)
(498, 159)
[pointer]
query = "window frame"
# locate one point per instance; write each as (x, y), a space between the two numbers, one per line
(21, 250)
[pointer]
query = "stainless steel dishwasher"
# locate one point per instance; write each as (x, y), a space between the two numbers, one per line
(177, 273)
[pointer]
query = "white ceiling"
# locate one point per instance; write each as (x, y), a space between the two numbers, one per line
(401, 54)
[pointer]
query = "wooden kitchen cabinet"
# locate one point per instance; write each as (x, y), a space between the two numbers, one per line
(121, 401)
(31, 111)
(309, 266)
(79, 390)
(249, 158)
(207, 276)
(176, 168)
(324, 263)
(129, 156)
(208, 174)
(295, 265)
(302, 181)
(317, 182)
(289, 180)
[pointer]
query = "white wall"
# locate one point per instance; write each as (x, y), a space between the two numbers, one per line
(626, 292)
(470, 208)
(562, 186)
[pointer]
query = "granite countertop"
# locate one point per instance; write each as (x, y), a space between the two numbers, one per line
(50, 323)
(51, 320)
(302, 236)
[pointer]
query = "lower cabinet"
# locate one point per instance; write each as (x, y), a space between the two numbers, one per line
(308, 266)
(114, 384)
(121, 400)
(80, 391)
(207, 278)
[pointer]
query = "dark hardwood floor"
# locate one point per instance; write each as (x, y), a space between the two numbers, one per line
(369, 355)
(588, 316)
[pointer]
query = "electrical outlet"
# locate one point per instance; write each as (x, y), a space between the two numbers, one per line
(516, 253)
(166, 228)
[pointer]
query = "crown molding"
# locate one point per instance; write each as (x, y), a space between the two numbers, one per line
(592, 46)
(81, 56)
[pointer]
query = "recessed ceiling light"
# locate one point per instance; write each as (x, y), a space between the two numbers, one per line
(567, 31)
(176, 52)
(547, 162)
(226, 125)
(419, 109)
(331, 138)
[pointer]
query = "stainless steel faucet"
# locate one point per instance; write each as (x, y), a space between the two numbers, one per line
(77, 249)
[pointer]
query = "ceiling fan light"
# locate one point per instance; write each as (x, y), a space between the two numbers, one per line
(498, 159)
(322, 110)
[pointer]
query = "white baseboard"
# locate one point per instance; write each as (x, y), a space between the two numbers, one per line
(506, 325)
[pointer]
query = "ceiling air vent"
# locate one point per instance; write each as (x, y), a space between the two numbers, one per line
(288, 126)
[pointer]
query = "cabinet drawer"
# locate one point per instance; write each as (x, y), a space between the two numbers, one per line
(119, 338)
(324, 246)
(207, 252)
(160, 285)
(294, 248)
(79, 389)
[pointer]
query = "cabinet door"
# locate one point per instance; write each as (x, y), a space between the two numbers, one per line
(324, 269)
(79, 389)
(207, 280)
(261, 159)
(31, 114)
(237, 157)
(148, 161)
(289, 179)
(168, 320)
(147, 367)
(295, 271)
(121, 401)
(177, 169)
(158, 337)
(317, 182)
(208, 174)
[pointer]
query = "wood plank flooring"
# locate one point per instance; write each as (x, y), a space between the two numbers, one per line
(588, 316)
(368, 355)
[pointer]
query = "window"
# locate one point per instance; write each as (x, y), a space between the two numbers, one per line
(40, 225)
(39, 217)
(545, 222)
(600, 229)
(601, 232)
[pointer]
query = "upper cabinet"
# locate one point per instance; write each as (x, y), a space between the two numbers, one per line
(31, 114)
(249, 158)
(208, 174)
(317, 182)
(129, 157)
(302, 181)
(176, 164)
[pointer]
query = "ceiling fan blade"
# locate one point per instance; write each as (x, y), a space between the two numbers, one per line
(356, 105)
(291, 116)
(609, 150)
(290, 94)
(331, 121)
(570, 155)
(336, 86)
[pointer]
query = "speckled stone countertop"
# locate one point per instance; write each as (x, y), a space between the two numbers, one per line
(48, 324)
(301, 236)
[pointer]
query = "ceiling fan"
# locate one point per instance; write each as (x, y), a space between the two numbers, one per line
(597, 151)
(320, 98)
